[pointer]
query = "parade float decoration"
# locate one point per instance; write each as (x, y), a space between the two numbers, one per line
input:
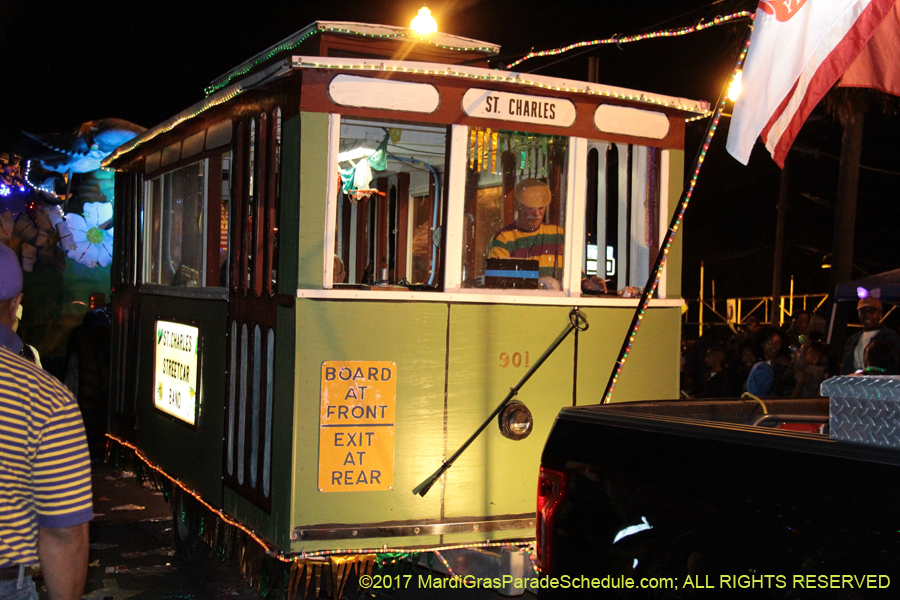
(56, 210)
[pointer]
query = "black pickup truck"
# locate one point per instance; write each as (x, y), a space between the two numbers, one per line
(719, 499)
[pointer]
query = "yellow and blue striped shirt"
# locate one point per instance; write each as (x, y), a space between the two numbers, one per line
(45, 471)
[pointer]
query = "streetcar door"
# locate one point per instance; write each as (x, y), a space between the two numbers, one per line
(252, 302)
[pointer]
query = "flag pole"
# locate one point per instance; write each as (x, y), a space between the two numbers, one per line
(674, 225)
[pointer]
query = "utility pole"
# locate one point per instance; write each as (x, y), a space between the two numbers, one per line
(845, 209)
(774, 318)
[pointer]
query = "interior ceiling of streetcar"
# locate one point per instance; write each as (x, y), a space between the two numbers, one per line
(405, 142)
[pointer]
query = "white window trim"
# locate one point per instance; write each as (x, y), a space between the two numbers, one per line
(664, 191)
(621, 280)
(455, 197)
(331, 202)
(576, 205)
(638, 251)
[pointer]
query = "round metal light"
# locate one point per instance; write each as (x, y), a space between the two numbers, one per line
(515, 421)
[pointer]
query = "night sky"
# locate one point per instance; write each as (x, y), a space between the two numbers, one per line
(64, 64)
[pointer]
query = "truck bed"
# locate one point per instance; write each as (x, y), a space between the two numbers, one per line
(707, 492)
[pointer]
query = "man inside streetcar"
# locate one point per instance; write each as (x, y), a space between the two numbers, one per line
(528, 237)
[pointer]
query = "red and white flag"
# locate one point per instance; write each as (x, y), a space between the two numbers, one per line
(798, 51)
(878, 65)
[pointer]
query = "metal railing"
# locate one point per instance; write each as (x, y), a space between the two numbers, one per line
(714, 311)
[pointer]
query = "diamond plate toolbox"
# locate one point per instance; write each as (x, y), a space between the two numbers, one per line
(864, 410)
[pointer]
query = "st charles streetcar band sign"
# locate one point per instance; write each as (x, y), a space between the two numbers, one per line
(176, 372)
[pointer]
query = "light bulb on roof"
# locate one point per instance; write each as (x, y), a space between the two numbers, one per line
(424, 23)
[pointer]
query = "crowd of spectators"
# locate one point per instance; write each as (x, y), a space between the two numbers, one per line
(785, 362)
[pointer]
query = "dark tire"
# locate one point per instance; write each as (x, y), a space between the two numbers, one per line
(186, 525)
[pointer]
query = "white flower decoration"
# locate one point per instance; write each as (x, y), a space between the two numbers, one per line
(89, 244)
(58, 222)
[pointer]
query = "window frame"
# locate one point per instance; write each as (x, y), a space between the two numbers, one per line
(453, 243)
(376, 220)
(571, 285)
(146, 228)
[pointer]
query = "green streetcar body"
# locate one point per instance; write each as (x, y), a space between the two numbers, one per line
(269, 319)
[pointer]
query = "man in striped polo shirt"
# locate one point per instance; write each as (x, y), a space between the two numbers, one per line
(528, 237)
(10, 298)
(45, 482)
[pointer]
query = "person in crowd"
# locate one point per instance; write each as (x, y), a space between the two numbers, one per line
(529, 237)
(10, 302)
(28, 351)
(45, 485)
(739, 368)
(809, 369)
(817, 328)
(870, 311)
(713, 336)
(881, 359)
(797, 328)
(716, 384)
(773, 374)
(685, 380)
(751, 326)
(746, 330)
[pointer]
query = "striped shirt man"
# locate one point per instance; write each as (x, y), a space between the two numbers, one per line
(45, 474)
(545, 244)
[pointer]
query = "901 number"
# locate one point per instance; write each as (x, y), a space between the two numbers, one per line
(515, 360)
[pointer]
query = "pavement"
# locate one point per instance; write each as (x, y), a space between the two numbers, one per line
(132, 553)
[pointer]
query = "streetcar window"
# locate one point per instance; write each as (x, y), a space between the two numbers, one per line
(273, 208)
(515, 207)
(622, 219)
(220, 274)
(187, 230)
(390, 204)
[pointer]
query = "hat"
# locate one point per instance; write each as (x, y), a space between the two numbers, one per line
(10, 273)
(869, 301)
(532, 193)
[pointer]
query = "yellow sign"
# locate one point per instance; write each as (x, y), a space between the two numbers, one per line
(356, 426)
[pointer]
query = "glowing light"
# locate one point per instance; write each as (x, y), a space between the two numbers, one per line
(424, 23)
(618, 41)
(5, 190)
(862, 292)
(734, 90)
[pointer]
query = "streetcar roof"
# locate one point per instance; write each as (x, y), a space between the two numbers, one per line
(370, 32)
